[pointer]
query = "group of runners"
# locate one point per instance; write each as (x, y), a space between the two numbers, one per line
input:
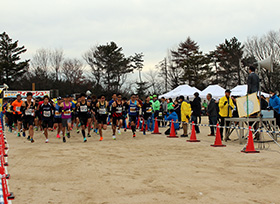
(84, 113)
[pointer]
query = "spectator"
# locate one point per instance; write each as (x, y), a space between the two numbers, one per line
(185, 115)
(274, 104)
(212, 113)
(204, 107)
(226, 106)
(172, 116)
(164, 110)
(196, 108)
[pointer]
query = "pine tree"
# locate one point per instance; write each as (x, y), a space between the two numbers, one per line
(11, 68)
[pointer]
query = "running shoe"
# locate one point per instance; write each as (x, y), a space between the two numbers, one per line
(32, 140)
(85, 139)
(23, 134)
(89, 135)
(125, 129)
(57, 136)
(101, 138)
(97, 132)
(47, 141)
(78, 131)
(114, 137)
(28, 138)
(10, 130)
(134, 135)
(64, 139)
(18, 134)
(68, 134)
(144, 132)
(119, 132)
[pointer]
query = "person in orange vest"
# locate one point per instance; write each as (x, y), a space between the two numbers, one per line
(16, 107)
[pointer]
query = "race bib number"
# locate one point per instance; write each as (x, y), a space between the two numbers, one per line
(29, 112)
(57, 113)
(83, 109)
(18, 108)
(119, 110)
(160, 114)
(149, 110)
(67, 112)
(102, 111)
(47, 114)
(133, 110)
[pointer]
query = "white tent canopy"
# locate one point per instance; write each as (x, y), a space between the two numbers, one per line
(215, 90)
(184, 90)
(241, 90)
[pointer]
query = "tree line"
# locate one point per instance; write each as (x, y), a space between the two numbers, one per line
(227, 66)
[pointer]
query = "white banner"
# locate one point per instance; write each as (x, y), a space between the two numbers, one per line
(13, 94)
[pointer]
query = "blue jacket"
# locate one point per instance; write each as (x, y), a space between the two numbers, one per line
(173, 116)
(274, 102)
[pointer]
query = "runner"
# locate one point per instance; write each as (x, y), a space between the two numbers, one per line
(47, 117)
(73, 116)
(16, 106)
(114, 96)
(124, 113)
(94, 113)
(132, 112)
(77, 121)
(38, 119)
(57, 116)
(89, 121)
(83, 110)
(117, 108)
(102, 108)
(28, 108)
(66, 117)
(147, 112)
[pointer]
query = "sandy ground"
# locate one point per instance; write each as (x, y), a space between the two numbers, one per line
(146, 169)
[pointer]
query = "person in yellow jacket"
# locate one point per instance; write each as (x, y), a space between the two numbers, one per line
(186, 112)
(225, 106)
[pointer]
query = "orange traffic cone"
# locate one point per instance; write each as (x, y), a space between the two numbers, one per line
(172, 131)
(250, 148)
(156, 130)
(193, 135)
(218, 141)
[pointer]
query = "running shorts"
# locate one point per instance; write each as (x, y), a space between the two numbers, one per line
(57, 120)
(28, 121)
(65, 121)
(47, 123)
(133, 118)
(115, 119)
(102, 119)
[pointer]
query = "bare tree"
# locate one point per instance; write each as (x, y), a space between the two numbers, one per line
(40, 62)
(261, 48)
(156, 85)
(72, 71)
(89, 57)
(56, 60)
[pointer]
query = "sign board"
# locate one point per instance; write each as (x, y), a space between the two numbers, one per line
(248, 105)
(13, 94)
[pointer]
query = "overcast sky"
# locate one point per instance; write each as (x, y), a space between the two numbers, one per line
(148, 26)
